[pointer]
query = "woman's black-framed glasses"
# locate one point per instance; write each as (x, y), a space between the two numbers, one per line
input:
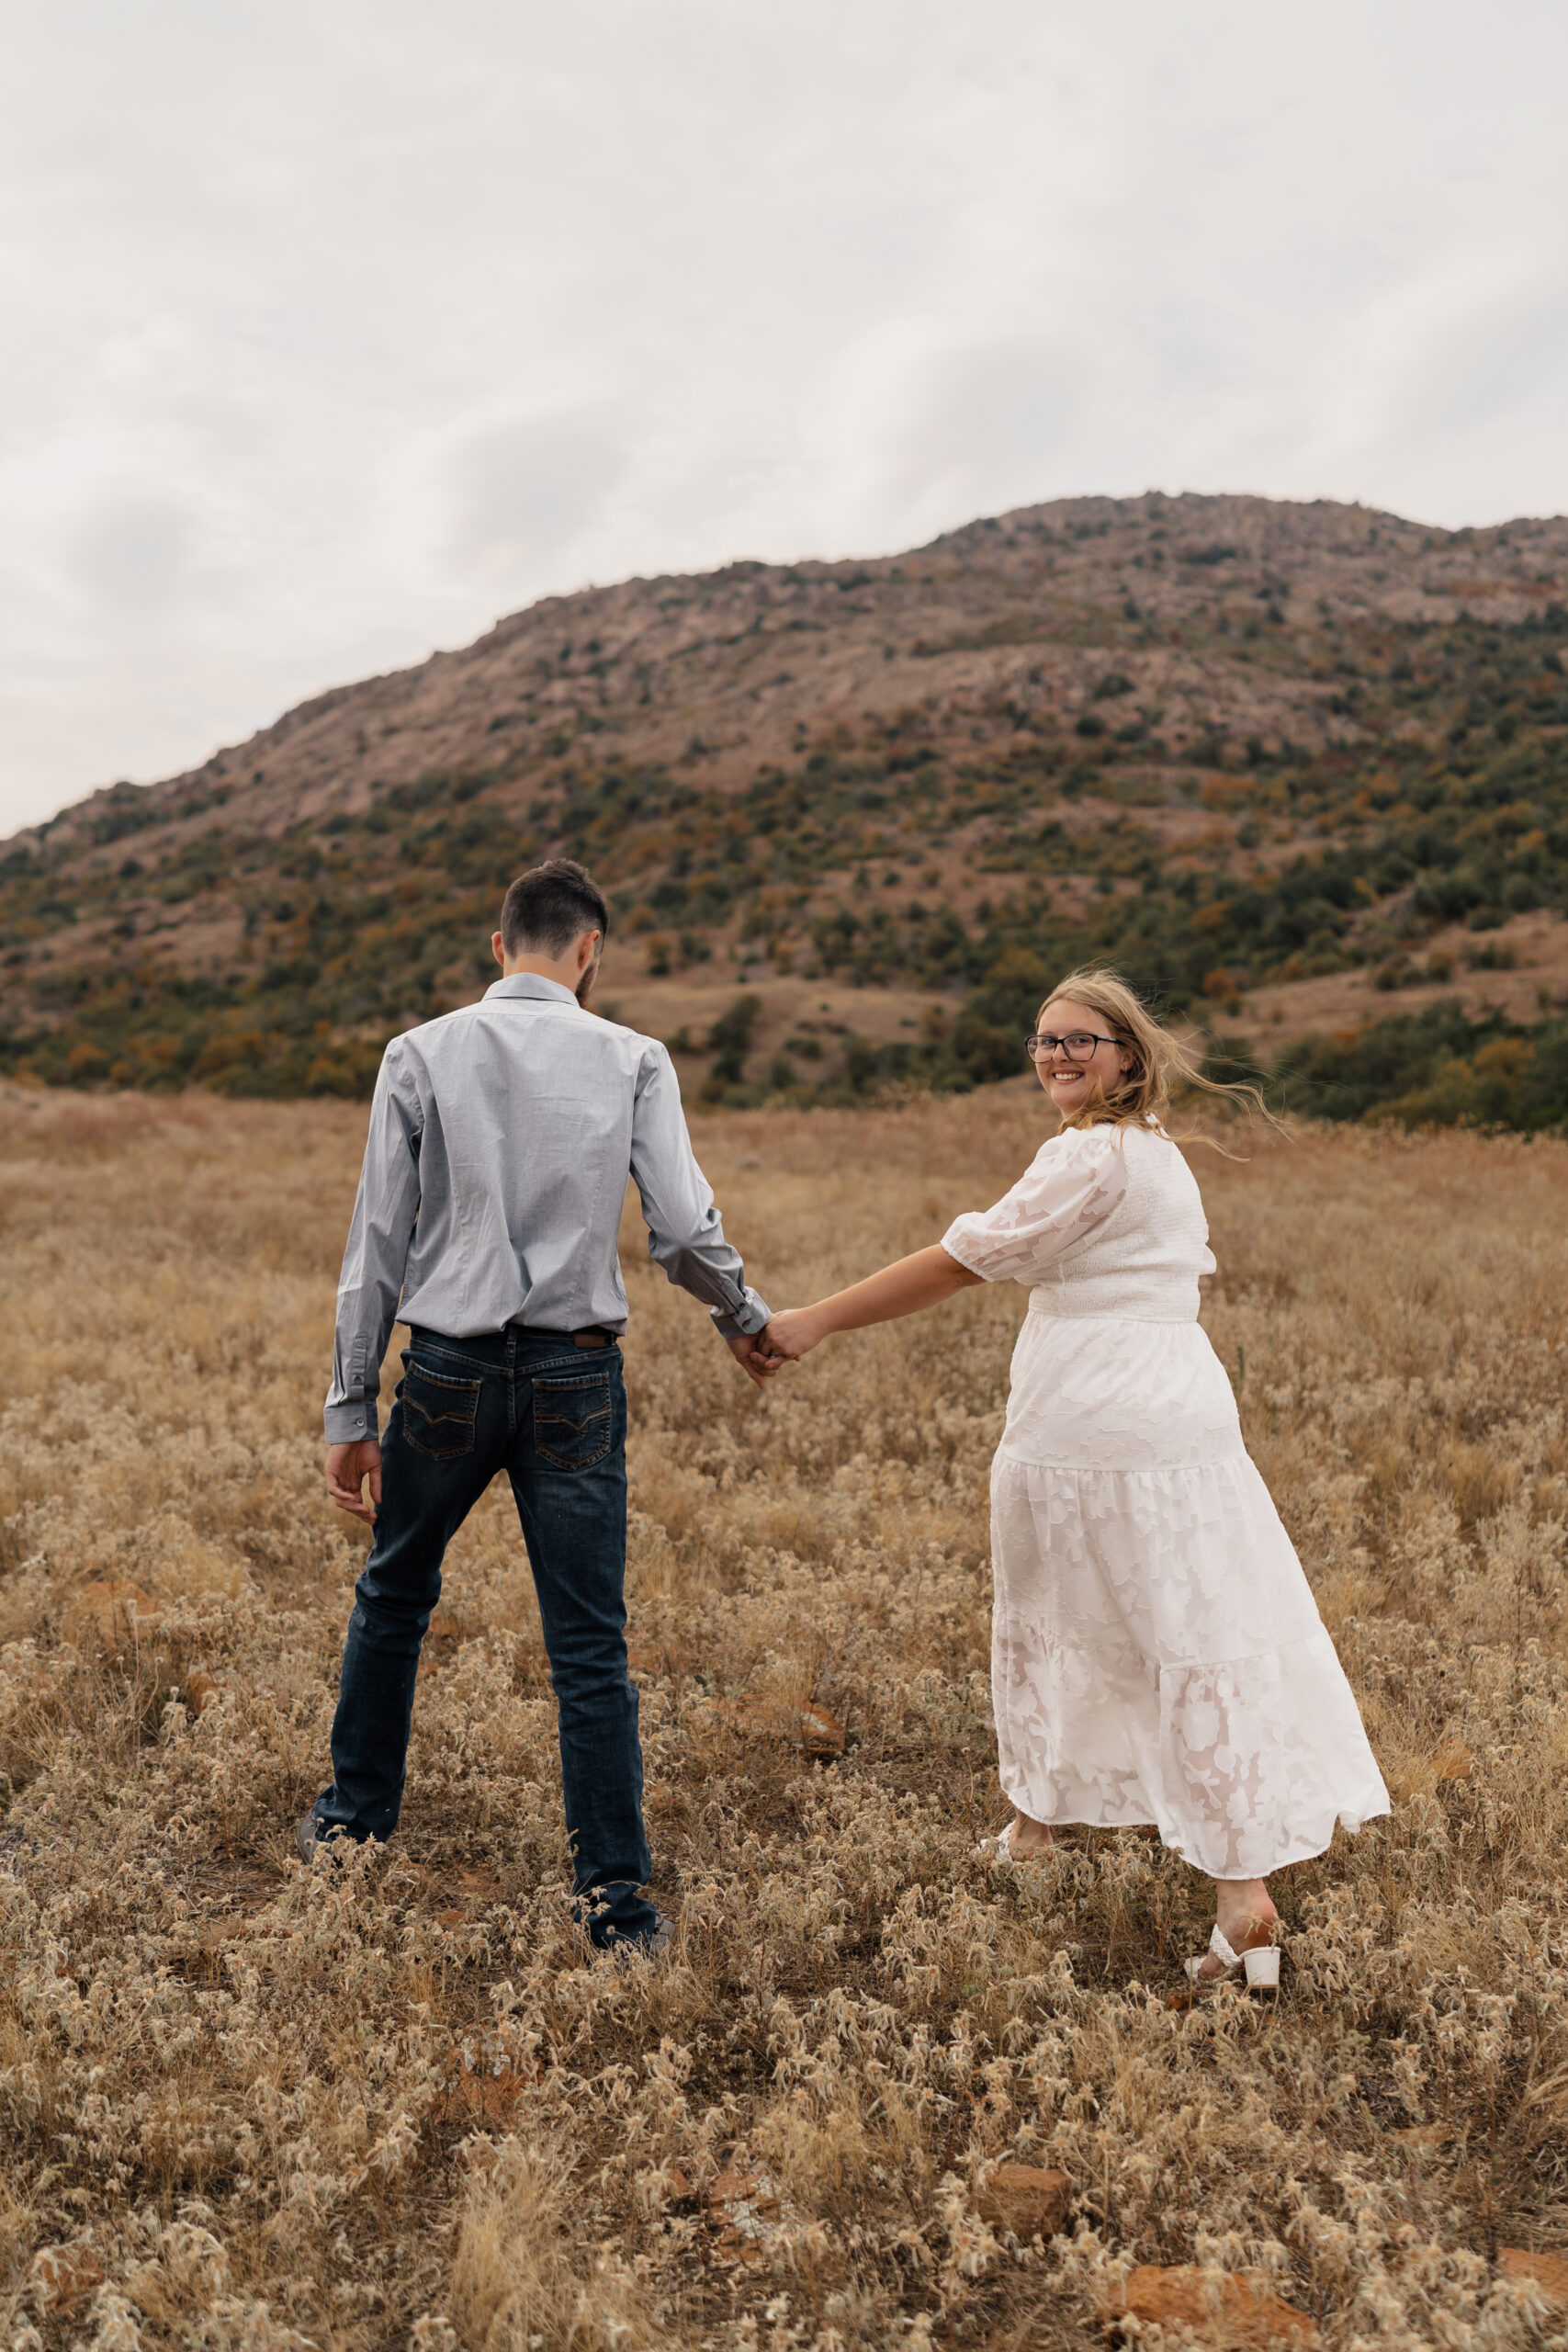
(1078, 1045)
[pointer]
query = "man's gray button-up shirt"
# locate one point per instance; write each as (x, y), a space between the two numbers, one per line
(501, 1136)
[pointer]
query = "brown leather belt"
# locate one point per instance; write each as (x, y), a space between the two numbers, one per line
(592, 1337)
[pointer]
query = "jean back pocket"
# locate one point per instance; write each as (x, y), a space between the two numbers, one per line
(573, 1418)
(438, 1413)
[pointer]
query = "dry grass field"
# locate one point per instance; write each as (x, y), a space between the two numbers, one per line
(242, 2106)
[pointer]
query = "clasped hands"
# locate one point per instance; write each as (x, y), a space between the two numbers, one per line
(763, 1354)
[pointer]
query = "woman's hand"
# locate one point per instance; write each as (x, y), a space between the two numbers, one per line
(794, 1332)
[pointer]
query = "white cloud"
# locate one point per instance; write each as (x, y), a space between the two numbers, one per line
(981, 423)
(525, 493)
(130, 558)
(332, 333)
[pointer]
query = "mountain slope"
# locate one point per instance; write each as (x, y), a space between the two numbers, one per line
(1231, 742)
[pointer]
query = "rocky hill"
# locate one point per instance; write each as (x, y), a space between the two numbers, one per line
(853, 814)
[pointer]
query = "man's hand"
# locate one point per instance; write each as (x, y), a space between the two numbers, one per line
(347, 1466)
(758, 1360)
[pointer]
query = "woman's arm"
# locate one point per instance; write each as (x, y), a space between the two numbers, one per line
(924, 1280)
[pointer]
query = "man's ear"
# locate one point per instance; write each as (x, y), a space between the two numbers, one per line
(498, 948)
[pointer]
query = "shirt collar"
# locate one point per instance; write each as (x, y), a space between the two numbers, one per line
(531, 984)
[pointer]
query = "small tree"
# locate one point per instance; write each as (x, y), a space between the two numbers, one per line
(729, 1040)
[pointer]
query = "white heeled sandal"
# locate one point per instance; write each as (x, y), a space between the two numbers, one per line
(1260, 1966)
(1000, 1849)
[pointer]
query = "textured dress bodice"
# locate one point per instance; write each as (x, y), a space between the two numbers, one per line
(1104, 1221)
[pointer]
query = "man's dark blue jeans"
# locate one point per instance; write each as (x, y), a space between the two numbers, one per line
(553, 1415)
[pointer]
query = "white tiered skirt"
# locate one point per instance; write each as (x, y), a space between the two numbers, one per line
(1156, 1652)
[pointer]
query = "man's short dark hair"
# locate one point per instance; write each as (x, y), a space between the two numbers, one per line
(550, 906)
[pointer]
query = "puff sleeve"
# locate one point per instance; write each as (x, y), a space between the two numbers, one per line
(1070, 1189)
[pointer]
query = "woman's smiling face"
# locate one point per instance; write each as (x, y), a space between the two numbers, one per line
(1071, 1084)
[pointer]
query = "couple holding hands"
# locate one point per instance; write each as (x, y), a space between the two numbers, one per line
(1157, 1653)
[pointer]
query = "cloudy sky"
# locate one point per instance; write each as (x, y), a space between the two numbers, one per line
(332, 329)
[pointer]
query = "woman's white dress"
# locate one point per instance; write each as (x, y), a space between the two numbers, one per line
(1156, 1652)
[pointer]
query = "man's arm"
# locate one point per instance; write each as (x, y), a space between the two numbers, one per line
(685, 1234)
(373, 1262)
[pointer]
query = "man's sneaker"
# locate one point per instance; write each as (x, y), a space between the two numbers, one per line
(310, 1840)
(655, 1949)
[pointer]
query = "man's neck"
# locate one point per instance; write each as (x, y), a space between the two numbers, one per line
(564, 971)
(541, 968)
(574, 970)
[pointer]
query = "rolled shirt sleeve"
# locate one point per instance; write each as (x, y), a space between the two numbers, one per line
(371, 1282)
(1070, 1187)
(685, 1234)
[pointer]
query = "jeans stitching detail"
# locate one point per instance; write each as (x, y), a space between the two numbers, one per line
(466, 1421)
(598, 1388)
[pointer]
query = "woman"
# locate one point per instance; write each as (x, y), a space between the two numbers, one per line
(1157, 1653)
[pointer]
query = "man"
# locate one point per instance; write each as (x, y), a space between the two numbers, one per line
(500, 1140)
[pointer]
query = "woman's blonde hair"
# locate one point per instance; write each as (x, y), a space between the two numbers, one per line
(1159, 1060)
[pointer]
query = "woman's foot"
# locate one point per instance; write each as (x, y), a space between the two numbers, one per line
(1246, 1920)
(1021, 1841)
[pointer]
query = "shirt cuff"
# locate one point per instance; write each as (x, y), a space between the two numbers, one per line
(749, 1317)
(352, 1424)
(960, 1246)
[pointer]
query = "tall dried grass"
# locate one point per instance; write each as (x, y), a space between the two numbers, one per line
(256, 2107)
